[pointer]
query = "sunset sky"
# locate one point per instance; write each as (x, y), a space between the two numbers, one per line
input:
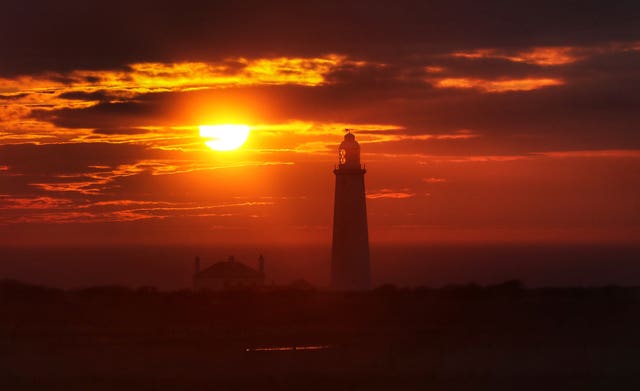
(509, 121)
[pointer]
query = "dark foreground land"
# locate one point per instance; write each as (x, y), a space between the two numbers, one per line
(462, 337)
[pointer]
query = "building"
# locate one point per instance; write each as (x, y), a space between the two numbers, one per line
(350, 269)
(228, 275)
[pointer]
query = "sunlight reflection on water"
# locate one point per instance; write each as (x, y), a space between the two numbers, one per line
(287, 348)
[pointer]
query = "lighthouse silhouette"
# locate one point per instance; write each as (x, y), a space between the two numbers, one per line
(350, 268)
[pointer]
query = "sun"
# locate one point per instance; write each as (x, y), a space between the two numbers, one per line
(224, 137)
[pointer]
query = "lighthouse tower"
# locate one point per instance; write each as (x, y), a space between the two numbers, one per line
(350, 268)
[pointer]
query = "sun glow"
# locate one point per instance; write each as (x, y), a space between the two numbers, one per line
(224, 137)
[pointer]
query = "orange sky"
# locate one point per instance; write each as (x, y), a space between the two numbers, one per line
(502, 137)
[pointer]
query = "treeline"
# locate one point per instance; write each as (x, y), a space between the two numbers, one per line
(513, 289)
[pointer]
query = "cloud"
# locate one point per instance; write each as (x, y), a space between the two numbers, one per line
(54, 159)
(63, 211)
(210, 30)
(498, 85)
(126, 131)
(589, 154)
(390, 194)
(433, 180)
(144, 77)
(544, 56)
(97, 95)
(353, 91)
(13, 96)
(132, 96)
(611, 153)
(37, 203)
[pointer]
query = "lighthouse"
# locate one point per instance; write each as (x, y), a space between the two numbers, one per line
(350, 268)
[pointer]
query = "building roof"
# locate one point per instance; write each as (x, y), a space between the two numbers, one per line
(229, 269)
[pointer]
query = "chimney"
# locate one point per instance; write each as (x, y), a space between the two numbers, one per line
(261, 264)
(197, 265)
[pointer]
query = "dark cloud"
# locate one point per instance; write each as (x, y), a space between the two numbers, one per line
(10, 97)
(100, 95)
(97, 165)
(75, 34)
(491, 68)
(54, 159)
(120, 131)
(104, 115)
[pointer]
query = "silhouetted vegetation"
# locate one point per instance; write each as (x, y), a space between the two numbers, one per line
(501, 336)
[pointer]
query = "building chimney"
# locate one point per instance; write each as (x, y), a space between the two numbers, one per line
(261, 264)
(197, 265)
